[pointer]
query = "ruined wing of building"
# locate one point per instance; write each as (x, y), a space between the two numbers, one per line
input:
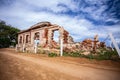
(41, 35)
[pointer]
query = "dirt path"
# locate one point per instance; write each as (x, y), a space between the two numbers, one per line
(14, 66)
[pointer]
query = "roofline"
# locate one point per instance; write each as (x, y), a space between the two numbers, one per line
(38, 25)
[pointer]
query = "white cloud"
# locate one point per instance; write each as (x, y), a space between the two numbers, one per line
(113, 29)
(22, 15)
(50, 4)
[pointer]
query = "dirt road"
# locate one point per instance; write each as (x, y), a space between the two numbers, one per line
(16, 66)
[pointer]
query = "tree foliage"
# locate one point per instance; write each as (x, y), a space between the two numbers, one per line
(8, 35)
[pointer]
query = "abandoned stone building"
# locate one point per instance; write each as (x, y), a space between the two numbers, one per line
(44, 32)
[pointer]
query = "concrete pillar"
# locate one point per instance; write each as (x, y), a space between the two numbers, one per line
(49, 37)
(32, 37)
(35, 48)
(24, 37)
(61, 47)
(23, 48)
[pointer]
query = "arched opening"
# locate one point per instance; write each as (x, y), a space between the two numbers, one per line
(55, 39)
(27, 38)
(20, 41)
(56, 36)
(37, 36)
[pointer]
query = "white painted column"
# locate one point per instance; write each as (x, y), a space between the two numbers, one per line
(114, 43)
(23, 47)
(35, 50)
(61, 47)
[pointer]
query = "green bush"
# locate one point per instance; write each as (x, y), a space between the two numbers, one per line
(75, 54)
(52, 54)
(66, 54)
(72, 54)
(90, 56)
(103, 54)
(40, 51)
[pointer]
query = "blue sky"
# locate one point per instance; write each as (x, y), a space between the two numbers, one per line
(82, 18)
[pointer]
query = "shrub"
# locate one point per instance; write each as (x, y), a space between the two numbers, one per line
(72, 54)
(103, 54)
(66, 54)
(90, 56)
(75, 54)
(52, 54)
(40, 51)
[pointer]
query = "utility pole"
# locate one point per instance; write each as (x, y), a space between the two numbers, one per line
(114, 43)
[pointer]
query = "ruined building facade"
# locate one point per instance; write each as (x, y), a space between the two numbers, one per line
(44, 32)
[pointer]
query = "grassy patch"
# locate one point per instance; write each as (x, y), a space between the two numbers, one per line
(103, 54)
(52, 55)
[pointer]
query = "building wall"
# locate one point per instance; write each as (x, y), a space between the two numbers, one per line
(23, 35)
(45, 36)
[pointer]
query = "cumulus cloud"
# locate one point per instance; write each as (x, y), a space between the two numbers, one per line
(77, 17)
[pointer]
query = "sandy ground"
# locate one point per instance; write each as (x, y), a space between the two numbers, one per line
(24, 66)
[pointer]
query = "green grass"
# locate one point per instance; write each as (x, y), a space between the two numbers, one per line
(103, 54)
(52, 55)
